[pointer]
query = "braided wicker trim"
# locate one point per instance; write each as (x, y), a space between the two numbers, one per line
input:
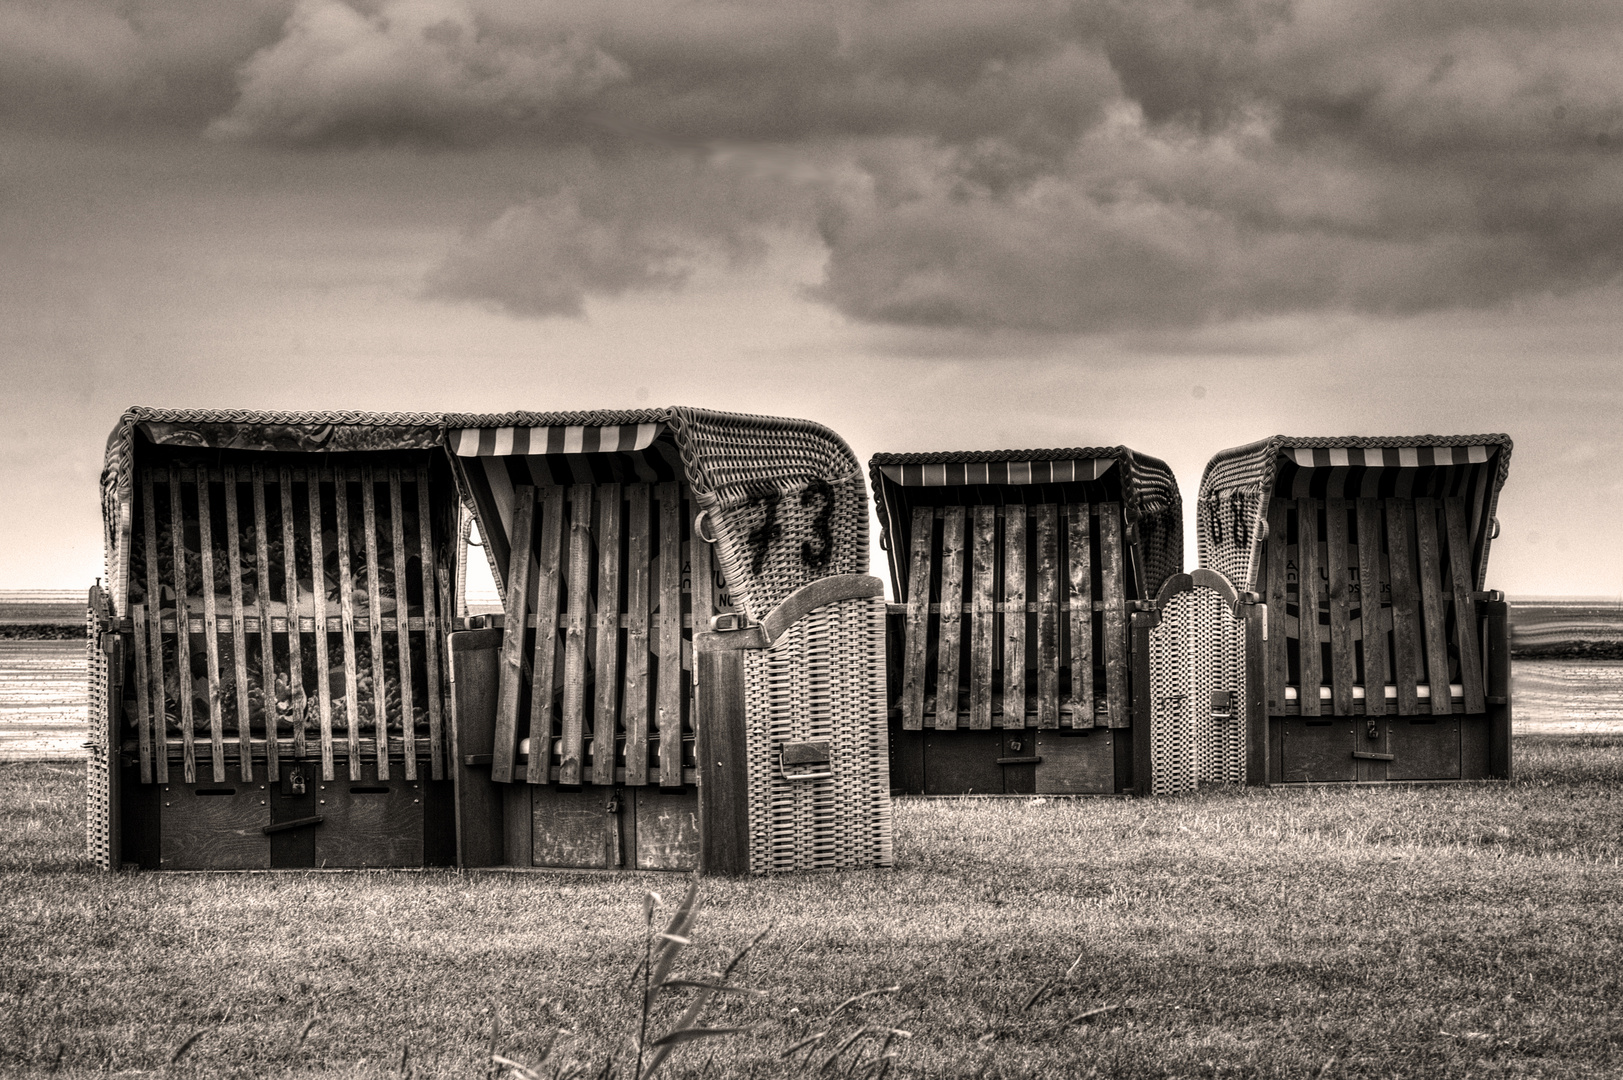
(588, 418)
(955, 457)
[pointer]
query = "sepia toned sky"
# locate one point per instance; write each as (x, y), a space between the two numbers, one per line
(1176, 225)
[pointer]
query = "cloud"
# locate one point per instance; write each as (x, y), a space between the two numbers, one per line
(1118, 166)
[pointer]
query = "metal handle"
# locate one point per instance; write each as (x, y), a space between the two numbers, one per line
(296, 823)
(787, 775)
(699, 520)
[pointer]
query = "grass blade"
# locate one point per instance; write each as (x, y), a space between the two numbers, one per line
(850, 1001)
(687, 1035)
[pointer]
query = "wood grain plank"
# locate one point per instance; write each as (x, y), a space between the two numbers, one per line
(402, 626)
(267, 650)
(432, 613)
(1371, 589)
(916, 633)
(341, 478)
(1112, 587)
(239, 635)
(608, 634)
(982, 616)
(318, 597)
(1307, 605)
(1014, 616)
(154, 606)
(1466, 627)
(1343, 671)
(183, 634)
(669, 691)
(510, 667)
(1080, 594)
(1047, 576)
(1277, 572)
(545, 667)
(374, 619)
(580, 571)
(1400, 532)
(211, 624)
(950, 637)
(290, 585)
(1429, 571)
(143, 692)
(634, 699)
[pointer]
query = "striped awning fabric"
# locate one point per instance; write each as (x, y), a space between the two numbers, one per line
(959, 473)
(572, 439)
(1309, 457)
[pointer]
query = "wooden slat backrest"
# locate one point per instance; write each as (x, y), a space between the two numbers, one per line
(669, 692)
(1431, 604)
(211, 624)
(1465, 621)
(1372, 587)
(1046, 517)
(290, 575)
(432, 607)
(510, 666)
(544, 668)
(239, 637)
(267, 647)
(1343, 669)
(1277, 571)
(1079, 594)
(1114, 597)
(374, 620)
(572, 753)
(397, 562)
(916, 629)
(1307, 605)
(607, 671)
(951, 632)
(183, 637)
(143, 693)
(982, 617)
(346, 608)
(154, 594)
(1014, 616)
(318, 596)
(635, 700)
(1400, 544)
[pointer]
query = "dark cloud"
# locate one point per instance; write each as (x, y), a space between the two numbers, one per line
(1108, 165)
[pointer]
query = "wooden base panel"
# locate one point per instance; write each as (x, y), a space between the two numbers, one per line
(1366, 750)
(1064, 761)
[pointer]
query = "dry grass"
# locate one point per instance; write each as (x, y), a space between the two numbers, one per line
(1472, 930)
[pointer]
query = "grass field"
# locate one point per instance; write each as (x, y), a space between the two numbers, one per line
(1471, 930)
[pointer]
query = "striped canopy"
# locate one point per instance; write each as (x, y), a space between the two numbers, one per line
(553, 439)
(958, 473)
(1237, 484)
(1144, 486)
(1309, 457)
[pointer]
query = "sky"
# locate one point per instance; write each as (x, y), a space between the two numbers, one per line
(1179, 226)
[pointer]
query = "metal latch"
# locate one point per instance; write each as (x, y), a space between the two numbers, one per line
(1220, 705)
(812, 757)
(729, 621)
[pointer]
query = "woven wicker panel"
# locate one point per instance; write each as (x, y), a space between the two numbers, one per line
(98, 775)
(1197, 649)
(823, 680)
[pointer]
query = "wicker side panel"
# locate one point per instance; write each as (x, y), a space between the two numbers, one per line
(1197, 660)
(823, 680)
(98, 770)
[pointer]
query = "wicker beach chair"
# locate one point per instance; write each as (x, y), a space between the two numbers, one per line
(1394, 665)
(1016, 573)
(639, 553)
(267, 683)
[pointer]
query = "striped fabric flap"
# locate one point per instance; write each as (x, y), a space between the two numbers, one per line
(959, 473)
(1309, 457)
(574, 439)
